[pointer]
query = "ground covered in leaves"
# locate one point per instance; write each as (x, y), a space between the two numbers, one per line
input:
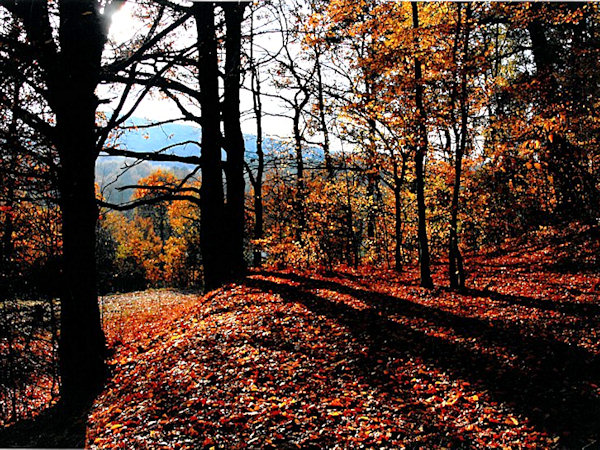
(352, 359)
(348, 359)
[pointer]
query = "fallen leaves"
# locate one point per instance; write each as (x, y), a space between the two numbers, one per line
(292, 359)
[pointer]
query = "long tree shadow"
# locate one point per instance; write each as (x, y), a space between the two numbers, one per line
(55, 427)
(342, 359)
(573, 308)
(546, 382)
(509, 335)
(567, 307)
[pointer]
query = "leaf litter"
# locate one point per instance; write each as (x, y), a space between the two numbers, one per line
(355, 359)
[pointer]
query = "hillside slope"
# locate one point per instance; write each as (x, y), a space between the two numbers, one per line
(356, 358)
(295, 359)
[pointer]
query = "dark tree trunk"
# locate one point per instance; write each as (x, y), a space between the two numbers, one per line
(352, 253)
(258, 226)
(72, 73)
(234, 141)
(420, 151)
(455, 266)
(212, 212)
(372, 178)
(72, 82)
(257, 180)
(300, 184)
(82, 346)
(398, 182)
(322, 119)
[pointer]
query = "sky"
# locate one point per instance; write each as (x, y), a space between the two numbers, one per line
(125, 25)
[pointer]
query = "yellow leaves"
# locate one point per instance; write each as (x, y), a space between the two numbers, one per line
(529, 165)
(158, 237)
(454, 397)
(511, 421)
(157, 178)
(286, 402)
(336, 403)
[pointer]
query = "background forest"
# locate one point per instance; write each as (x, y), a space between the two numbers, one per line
(497, 131)
(184, 143)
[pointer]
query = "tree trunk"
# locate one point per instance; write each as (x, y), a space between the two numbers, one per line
(71, 85)
(258, 179)
(212, 212)
(82, 346)
(398, 182)
(420, 151)
(455, 263)
(372, 179)
(321, 100)
(234, 141)
(300, 184)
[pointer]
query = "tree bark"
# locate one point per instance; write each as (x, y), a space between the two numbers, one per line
(455, 263)
(420, 151)
(322, 119)
(300, 183)
(72, 81)
(212, 213)
(372, 178)
(257, 180)
(234, 141)
(398, 182)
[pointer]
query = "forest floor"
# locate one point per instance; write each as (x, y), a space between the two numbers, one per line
(289, 359)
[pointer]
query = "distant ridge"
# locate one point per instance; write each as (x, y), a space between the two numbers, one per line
(110, 172)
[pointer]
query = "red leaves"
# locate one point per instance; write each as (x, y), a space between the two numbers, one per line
(294, 360)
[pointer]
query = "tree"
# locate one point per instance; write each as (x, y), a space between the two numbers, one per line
(420, 152)
(577, 193)
(455, 265)
(220, 266)
(234, 140)
(222, 206)
(256, 177)
(70, 67)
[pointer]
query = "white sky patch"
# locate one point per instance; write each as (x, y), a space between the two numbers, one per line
(125, 25)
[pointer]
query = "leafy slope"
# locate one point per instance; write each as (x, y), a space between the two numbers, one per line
(290, 359)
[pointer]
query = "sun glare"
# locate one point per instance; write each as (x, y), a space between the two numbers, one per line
(123, 24)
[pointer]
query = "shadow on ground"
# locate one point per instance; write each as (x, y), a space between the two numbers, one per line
(55, 427)
(545, 380)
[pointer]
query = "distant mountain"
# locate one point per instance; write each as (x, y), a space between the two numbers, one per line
(117, 171)
(157, 138)
(113, 173)
(170, 134)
